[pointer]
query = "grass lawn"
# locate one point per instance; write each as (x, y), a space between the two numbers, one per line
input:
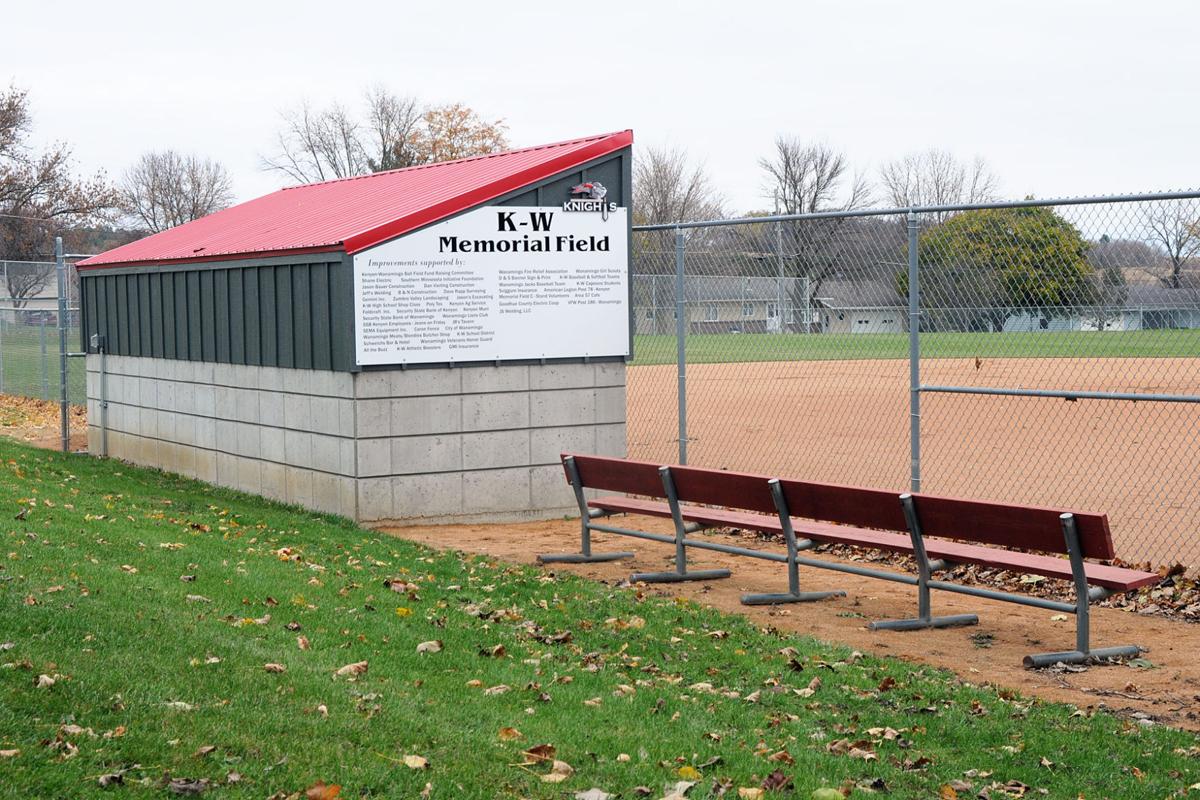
(152, 605)
(21, 363)
(734, 347)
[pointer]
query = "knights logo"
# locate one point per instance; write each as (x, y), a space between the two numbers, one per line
(589, 196)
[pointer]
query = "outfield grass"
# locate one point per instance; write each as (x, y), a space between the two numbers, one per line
(151, 668)
(734, 347)
(21, 362)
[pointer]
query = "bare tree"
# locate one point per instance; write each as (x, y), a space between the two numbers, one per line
(808, 178)
(318, 145)
(936, 178)
(393, 132)
(1175, 227)
(40, 196)
(668, 187)
(164, 189)
(392, 124)
(804, 178)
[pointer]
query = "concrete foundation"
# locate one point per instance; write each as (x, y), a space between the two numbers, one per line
(388, 447)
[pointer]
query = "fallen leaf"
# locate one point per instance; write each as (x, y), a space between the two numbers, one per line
(357, 668)
(44, 682)
(559, 772)
(750, 793)
(179, 705)
(494, 690)
(276, 668)
(432, 646)
(302, 642)
(593, 794)
(689, 773)
(777, 781)
(188, 785)
(509, 734)
(9, 753)
(541, 752)
(204, 750)
(322, 791)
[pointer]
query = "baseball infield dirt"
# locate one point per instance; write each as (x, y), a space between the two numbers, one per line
(1166, 685)
(848, 422)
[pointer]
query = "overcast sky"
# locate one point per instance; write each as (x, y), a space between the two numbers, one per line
(1061, 97)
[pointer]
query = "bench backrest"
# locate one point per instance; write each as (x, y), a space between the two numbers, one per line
(1019, 526)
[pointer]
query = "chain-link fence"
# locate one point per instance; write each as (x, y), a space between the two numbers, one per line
(1055, 359)
(29, 332)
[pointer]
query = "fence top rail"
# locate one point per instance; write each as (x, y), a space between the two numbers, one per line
(882, 212)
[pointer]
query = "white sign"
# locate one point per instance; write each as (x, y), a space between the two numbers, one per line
(496, 283)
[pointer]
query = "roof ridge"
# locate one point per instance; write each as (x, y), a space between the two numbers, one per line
(463, 160)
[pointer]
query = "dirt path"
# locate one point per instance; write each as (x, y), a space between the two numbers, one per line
(1169, 691)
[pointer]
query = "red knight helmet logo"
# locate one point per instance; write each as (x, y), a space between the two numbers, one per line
(592, 190)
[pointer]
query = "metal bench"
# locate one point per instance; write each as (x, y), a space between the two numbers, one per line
(936, 531)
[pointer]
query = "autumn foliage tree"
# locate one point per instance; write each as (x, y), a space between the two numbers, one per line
(390, 132)
(40, 197)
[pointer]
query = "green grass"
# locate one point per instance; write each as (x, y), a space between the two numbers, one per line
(21, 363)
(734, 348)
(123, 645)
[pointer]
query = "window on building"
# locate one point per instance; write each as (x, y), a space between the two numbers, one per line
(710, 312)
(772, 310)
(747, 309)
(650, 313)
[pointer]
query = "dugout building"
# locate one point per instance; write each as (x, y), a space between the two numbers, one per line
(410, 346)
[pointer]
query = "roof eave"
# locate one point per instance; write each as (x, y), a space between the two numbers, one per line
(203, 259)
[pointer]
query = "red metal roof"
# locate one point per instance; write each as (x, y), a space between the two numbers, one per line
(353, 214)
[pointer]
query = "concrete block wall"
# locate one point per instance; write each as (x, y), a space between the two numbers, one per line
(388, 447)
(481, 443)
(285, 434)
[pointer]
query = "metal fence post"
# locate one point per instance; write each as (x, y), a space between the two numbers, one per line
(680, 345)
(45, 365)
(914, 354)
(60, 266)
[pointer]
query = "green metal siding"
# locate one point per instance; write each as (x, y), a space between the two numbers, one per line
(288, 315)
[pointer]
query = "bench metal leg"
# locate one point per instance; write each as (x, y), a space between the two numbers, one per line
(585, 554)
(681, 572)
(1083, 652)
(924, 618)
(793, 594)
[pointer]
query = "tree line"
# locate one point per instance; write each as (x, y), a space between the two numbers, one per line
(977, 266)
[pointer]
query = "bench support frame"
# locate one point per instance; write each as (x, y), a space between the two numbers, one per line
(585, 554)
(793, 594)
(924, 618)
(682, 529)
(1083, 596)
